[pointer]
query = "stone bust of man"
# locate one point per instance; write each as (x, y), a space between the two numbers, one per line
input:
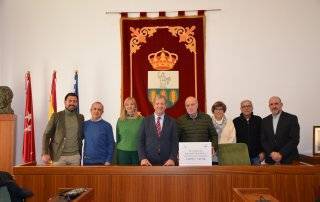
(6, 96)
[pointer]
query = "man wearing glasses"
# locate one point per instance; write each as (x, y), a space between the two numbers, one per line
(248, 128)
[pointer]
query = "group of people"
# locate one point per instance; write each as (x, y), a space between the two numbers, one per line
(154, 139)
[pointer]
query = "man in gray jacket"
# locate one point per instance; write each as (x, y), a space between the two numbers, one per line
(62, 139)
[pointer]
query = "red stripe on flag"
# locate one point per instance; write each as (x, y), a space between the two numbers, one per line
(28, 150)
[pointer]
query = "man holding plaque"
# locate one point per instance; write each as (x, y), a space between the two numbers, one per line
(195, 126)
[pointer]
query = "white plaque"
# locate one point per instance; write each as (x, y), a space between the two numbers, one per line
(195, 154)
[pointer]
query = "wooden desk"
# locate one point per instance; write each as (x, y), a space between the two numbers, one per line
(310, 159)
(171, 184)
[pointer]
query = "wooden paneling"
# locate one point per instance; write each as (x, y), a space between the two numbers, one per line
(252, 195)
(303, 187)
(7, 141)
(158, 188)
(171, 184)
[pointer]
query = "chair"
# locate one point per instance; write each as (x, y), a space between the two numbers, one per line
(233, 154)
(4, 194)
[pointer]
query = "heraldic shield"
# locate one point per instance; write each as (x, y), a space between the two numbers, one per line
(164, 83)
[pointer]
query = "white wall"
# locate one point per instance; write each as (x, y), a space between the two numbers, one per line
(254, 49)
(1, 42)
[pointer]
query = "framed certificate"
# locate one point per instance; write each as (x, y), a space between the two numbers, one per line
(195, 154)
(316, 140)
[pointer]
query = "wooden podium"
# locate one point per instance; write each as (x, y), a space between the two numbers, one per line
(287, 183)
(7, 142)
(252, 195)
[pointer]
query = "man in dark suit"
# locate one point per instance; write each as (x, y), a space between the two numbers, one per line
(280, 134)
(158, 144)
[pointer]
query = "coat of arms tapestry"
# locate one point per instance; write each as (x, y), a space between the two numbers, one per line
(163, 55)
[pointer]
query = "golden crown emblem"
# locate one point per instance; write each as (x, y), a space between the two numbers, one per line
(163, 60)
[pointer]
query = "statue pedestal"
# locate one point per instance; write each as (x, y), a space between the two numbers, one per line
(7, 141)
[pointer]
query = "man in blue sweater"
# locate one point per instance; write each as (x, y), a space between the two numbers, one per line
(99, 141)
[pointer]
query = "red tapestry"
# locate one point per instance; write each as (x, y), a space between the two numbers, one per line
(163, 55)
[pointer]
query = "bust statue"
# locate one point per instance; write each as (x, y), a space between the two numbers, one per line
(6, 96)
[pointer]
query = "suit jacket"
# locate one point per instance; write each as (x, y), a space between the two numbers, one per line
(158, 149)
(54, 135)
(286, 139)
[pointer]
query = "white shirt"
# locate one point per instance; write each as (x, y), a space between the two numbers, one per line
(275, 120)
(161, 119)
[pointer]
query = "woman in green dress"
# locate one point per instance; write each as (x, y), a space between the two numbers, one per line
(128, 126)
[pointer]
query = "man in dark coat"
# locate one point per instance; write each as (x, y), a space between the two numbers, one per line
(248, 128)
(280, 134)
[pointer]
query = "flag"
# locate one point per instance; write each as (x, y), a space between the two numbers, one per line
(75, 88)
(53, 98)
(28, 151)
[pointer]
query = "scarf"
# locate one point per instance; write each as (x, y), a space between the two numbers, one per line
(219, 125)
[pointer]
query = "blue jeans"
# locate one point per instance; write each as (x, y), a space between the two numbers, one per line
(255, 160)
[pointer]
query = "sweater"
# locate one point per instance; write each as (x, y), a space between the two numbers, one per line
(248, 132)
(54, 136)
(128, 134)
(199, 129)
(99, 142)
(71, 142)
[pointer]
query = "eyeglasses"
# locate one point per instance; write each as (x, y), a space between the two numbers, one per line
(246, 106)
(218, 109)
